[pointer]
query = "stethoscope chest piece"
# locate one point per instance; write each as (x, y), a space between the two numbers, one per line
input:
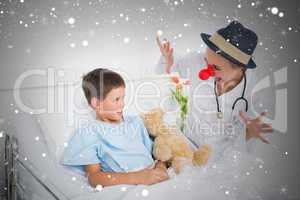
(219, 115)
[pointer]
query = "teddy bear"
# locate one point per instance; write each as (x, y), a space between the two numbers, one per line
(170, 145)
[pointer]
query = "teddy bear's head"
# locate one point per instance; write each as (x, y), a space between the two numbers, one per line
(154, 122)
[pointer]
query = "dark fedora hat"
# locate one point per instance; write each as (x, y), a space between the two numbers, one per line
(235, 42)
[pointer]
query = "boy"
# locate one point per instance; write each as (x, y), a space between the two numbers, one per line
(114, 148)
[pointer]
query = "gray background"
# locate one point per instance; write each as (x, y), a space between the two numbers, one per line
(33, 35)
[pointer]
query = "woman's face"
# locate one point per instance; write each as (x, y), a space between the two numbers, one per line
(224, 69)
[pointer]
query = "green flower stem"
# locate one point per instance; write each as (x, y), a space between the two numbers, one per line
(183, 103)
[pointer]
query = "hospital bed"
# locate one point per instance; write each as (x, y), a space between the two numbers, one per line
(38, 124)
(35, 140)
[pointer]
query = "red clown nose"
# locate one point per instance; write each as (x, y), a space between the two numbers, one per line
(204, 74)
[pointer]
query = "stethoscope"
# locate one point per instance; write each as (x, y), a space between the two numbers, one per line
(204, 74)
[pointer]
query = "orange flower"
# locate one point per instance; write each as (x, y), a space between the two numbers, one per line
(175, 79)
(178, 87)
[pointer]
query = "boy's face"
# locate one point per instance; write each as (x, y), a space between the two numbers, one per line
(111, 108)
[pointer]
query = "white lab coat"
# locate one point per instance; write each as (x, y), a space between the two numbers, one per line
(224, 134)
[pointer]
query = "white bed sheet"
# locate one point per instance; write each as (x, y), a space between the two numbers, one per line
(41, 140)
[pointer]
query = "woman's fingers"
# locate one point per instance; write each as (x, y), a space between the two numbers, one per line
(164, 46)
(171, 51)
(168, 46)
(267, 130)
(158, 42)
(263, 139)
(264, 125)
(262, 115)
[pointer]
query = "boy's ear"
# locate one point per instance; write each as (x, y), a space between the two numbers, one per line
(94, 102)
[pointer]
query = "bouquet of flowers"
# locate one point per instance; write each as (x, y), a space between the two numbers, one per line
(180, 98)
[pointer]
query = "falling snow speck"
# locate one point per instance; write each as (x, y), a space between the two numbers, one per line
(281, 14)
(283, 190)
(1, 134)
(99, 188)
(295, 60)
(16, 111)
(37, 138)
(123, 189)
(126, 40)
(159, 33)
(71, 20)
(72, 45)
(44, 155)
(227, 192)
(274, 10)
(239, 6)
(85, 43)
(73, 178)
(252, 3)
(145, 192)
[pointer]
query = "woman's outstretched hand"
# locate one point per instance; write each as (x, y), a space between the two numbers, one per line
(167, 52)
(255, 128)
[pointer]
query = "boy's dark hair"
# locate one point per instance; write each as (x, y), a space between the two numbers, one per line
(99, 82)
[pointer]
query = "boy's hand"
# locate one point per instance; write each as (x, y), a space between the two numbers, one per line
(160, 164)
(167, 51)
(256, 127)
(151, 176)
